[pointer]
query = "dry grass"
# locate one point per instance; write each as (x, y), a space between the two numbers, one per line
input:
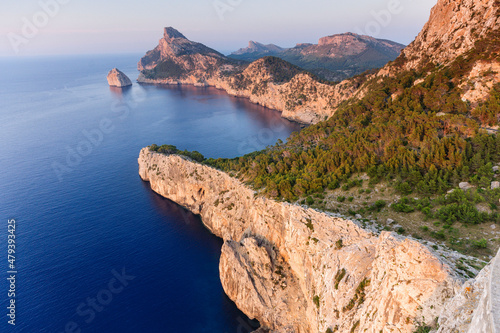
(460, 237)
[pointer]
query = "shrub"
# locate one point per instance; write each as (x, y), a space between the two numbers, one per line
(404, 206)
(378, 205)
(316, 301)
(481, 244)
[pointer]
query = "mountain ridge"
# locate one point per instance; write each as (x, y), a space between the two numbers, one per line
(335, 57)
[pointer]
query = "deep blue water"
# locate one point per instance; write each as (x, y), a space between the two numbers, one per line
(95, 215)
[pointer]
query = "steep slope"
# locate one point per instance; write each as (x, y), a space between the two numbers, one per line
(464, 36)
(298, 270)
(256, 50)
(453, 28)
(176, 57)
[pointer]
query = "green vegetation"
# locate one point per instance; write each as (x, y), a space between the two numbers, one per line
(169, 149)
(316, 300)
(411, 138)
(339, 276)
(354, 326)
(280, 70)
(167, 69)
(359, 295)
(403, 142)
(423, 329)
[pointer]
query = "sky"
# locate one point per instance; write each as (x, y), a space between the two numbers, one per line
(50, 27)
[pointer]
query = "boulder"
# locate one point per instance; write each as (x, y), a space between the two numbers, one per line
(495, 185)
(116, 78)
(464, 186)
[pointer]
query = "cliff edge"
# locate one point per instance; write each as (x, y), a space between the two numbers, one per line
(299, 270)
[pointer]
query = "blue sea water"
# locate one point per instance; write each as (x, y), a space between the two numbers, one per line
(87, 226)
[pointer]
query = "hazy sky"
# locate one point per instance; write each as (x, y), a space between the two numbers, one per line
(119, 26)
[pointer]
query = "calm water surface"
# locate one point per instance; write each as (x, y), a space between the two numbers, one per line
(83, 219)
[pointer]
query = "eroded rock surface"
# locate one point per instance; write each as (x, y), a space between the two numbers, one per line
(299, 270)
(116, 78)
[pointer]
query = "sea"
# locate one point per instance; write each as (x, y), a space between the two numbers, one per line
(93, 248)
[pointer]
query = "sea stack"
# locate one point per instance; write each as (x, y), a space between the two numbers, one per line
(116, 78)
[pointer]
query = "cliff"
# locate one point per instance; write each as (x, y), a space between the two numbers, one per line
(116, 78)
(476, 307)
(299, 270)
(453, 28)
(463, 34)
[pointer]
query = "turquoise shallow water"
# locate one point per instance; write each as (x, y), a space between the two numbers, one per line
(84, 219)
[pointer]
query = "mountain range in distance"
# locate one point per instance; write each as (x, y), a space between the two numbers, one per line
(334, 58)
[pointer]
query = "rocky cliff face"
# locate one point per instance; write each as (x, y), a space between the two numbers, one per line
(467, 31)
(117, 78)
(173, 45)
(476, 307)
(453, 28)
(299, 270)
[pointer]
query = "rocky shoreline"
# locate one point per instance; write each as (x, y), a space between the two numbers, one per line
(299, 270)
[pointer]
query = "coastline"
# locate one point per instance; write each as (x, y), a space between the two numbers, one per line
(222, 90)
(289, 98)
(280, 262)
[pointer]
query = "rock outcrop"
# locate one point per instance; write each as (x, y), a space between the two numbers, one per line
(467, 30)
(116, 78)
(476, 307)
(453, 29)
(172, 45)
(299, 270)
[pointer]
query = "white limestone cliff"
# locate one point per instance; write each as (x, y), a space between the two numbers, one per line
(298, 270)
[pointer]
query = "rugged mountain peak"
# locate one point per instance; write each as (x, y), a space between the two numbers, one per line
(338, 39)
(256, 47)
(353, 43)
(453, 28)
(172, 45)
(171, 33)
